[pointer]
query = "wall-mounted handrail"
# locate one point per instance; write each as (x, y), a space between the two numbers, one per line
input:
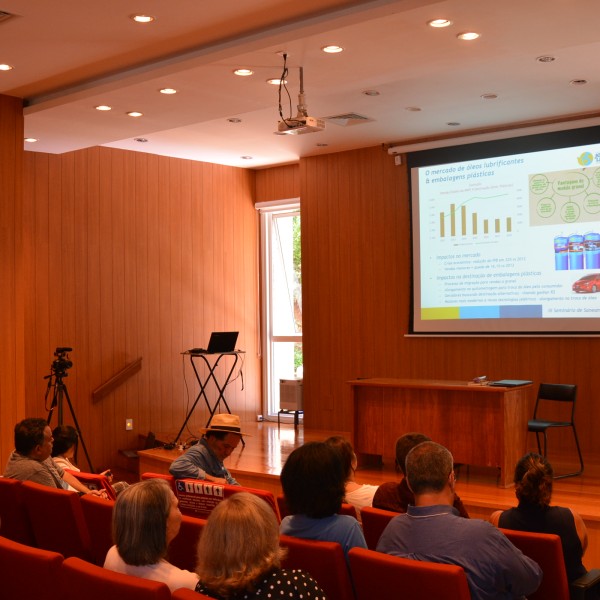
(116, 380)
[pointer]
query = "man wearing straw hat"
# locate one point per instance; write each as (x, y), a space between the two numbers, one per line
(205, 459)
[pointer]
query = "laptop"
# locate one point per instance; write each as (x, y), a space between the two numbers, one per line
(219, 343)
(510, 382)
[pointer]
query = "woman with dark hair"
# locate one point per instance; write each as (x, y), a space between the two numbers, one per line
(63, 451)
(146, 519)
(357, 494)
(313, 479)
(533, 488)
(239, 556)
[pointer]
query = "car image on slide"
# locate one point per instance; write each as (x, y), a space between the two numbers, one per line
(587, 284)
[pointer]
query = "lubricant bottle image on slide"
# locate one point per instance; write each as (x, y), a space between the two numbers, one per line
(575, 252)
(561, 253)
(591, 243)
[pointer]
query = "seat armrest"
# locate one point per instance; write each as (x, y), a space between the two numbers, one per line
(581, 585)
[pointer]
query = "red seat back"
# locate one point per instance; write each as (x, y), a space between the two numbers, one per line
(95, 482)
(374, 521)
(97, 513)
(183, 549)
(14, 520)
(197, 498)
(546, 550)
(57, 520)
(378, 575)
(80, 579)
(324, 561)
(166, 476)
(27, 572)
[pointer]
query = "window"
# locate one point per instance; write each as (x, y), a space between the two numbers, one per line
(282, 297)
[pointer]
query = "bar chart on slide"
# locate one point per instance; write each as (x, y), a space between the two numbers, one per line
(476, 216)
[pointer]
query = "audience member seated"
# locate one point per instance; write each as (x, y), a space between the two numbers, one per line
(432, 530)
(533, 488)
(359, 495)
(145, 520)
(313, 480)
(66, 439)
(397, 496)
(31, 460)
(239, 555)
(205, 459)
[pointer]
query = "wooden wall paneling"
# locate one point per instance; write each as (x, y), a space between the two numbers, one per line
(140, 226)
(12, 288)
(277, 183)
(175, 286)
(41, 352)
(88, 353)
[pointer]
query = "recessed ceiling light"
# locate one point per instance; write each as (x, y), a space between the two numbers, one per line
(5, 67)
(30, 139)
(168, 91)
(103, 107)
(277, 81)
(578, 82)
(142, 18)
(141, 140)
(371, 93)
(246, 157)
(412, 109)
(489, 96)
(243, 72)
(234, 120)
(453, 124)
(545, 59)
(135, 113)
(439, 23)
(468, 36)
(332, 49)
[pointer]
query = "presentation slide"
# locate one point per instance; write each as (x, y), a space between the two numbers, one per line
(508, 243)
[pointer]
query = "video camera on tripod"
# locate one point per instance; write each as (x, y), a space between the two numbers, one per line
(61, 363)
(58, 370)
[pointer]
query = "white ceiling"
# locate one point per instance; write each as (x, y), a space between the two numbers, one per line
(71, 55)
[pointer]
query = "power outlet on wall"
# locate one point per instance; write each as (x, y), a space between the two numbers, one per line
(128, 424)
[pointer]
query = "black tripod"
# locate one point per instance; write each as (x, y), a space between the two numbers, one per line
(55, 380)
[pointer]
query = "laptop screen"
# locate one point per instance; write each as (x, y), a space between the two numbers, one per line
(222, 341)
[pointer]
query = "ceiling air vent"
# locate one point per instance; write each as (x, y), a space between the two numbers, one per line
(4, 15)
(347, 119)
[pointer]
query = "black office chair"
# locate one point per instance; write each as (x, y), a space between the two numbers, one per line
(555, 392)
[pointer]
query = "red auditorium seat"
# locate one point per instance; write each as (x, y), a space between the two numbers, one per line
(546, 550)
(57, 520)
(27, 572)
(182, 550)
(97, 513)
(14, 520)
(168, 478)
(197, 498)
(95, 482)
(374, 521)
(378, 575)
(80, 579)
(324, 561)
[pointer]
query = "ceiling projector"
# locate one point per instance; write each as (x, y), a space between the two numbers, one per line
(299, 125)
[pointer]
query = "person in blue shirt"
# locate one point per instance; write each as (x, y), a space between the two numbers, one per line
(313, 482)
(205, 459)
(432, 530)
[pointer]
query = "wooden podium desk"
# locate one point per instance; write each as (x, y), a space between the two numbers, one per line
(480, 425)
